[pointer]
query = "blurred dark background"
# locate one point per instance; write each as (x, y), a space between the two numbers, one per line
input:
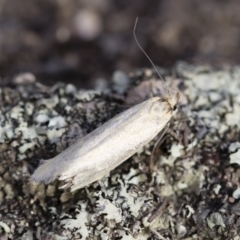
(80, 41)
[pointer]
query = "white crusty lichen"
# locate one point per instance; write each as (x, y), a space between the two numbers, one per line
(188, 188)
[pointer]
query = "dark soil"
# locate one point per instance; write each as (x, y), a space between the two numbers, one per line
(42, 37)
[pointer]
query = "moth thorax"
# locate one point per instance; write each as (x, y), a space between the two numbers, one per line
(173, 100)
(160, 107)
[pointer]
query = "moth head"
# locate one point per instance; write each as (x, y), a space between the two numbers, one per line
(160, 106)
(173, 100)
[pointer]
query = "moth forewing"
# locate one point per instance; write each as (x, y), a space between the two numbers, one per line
(50, 169)
(92, 157)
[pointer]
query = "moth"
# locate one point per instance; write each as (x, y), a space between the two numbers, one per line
(99, 152)
(96, 154)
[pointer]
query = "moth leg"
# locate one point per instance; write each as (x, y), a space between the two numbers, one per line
(157, 234)
(174, 135)
(157, 211)
(156, 145)
(101, 182)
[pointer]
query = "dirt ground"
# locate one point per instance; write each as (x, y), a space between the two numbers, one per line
(81, 41)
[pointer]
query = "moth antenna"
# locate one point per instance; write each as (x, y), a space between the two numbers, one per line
(150, 60)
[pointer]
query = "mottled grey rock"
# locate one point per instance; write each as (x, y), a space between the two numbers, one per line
(190, 190)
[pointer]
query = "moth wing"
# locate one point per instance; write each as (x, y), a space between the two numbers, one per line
(82, 179)
(69, 159)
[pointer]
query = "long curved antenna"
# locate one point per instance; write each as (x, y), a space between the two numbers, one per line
(150, 60)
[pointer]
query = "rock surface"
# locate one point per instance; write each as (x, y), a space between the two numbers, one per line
(191, 191)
